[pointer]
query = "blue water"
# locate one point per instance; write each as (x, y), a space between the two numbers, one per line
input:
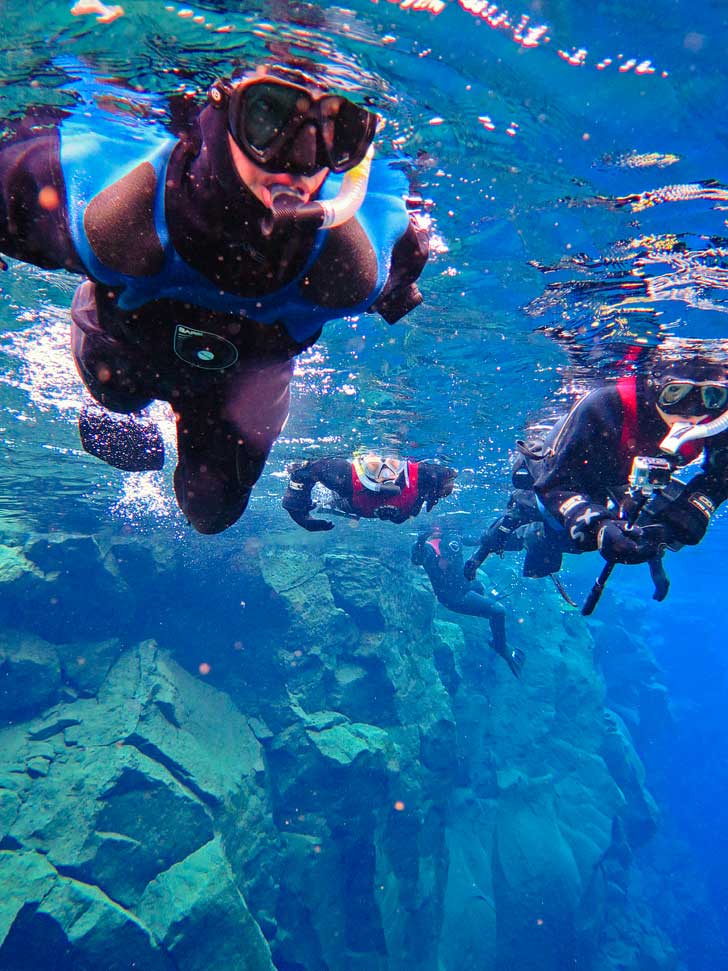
(542, 157)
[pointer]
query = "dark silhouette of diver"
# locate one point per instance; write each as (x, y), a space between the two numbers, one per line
(440, 553)
(372, 485)
(212, 259)
(572, 493)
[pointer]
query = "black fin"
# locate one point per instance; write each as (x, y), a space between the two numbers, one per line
(128, 443)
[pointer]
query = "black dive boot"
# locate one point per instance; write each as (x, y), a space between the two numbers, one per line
(514, 658)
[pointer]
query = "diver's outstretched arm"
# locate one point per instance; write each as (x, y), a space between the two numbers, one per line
(297, 498)
(33, 216)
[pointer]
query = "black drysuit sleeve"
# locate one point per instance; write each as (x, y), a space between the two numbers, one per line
(685, 512)
(409, 255)
(586, 463)
(333, 473)
(34, 224)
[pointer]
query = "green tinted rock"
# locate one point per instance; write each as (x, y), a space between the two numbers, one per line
(197, 912)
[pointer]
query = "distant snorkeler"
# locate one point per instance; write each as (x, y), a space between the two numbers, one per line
(573, 492)
(211, 260)
(371, 485)
(439, 551)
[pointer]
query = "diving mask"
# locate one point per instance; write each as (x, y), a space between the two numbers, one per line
(692, 399)
(380, 473)
(699, 410)
(273, 121)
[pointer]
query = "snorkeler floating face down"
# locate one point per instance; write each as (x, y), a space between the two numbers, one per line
(229, 383)
(286, 137)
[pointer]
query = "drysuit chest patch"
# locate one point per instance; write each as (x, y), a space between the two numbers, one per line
(204, 350)
(119, 224)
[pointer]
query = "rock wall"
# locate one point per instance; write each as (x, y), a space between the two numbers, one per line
(290, 757)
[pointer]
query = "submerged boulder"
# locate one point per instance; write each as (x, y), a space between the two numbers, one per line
(196, 912)
(124, 816)
(30, 675)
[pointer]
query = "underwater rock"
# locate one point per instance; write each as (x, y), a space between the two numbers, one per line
(197, 913)
(305, 597)
(631, 942)
(468, 941)
(61, 553)
(50, 921)
(119, 793)
(61, 589)
(640, 814)
(84, 666)
(635, 689)
(356, 588)
(536, 881)
(30, 675)
(351, 781)
(14, 568)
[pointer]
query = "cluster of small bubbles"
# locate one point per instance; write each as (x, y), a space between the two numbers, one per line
(523, 32)
(186, 13)
(45, 369)
(530, 36)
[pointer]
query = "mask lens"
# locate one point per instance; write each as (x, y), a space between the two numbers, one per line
(714, 396)
(348, 131)
(372, 469)
(267, 111)
(673, 393)
(391, 469)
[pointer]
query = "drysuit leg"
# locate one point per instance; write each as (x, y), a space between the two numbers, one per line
(223, 444)
(477, 604)
(128, 443)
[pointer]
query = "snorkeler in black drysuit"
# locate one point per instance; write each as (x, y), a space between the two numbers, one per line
(372, 485)
(208, 268)
(572, 488)
(440, 553)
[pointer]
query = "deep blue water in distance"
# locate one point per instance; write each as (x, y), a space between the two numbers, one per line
(526, 154)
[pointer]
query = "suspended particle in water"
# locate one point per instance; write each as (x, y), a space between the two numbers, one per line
(48, 198)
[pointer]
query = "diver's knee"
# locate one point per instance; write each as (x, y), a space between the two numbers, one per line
(497, 610)
(209, 502)
(101, 373)
(210, 525)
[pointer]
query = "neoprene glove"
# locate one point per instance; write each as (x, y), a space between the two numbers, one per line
(685, 519)
(470, 569)
(618, 543)
(315, 525)
(296, 502)
(583, 519)
(388, 514)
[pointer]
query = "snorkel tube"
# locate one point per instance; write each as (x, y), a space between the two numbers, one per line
(287, 211)
(684, 431)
